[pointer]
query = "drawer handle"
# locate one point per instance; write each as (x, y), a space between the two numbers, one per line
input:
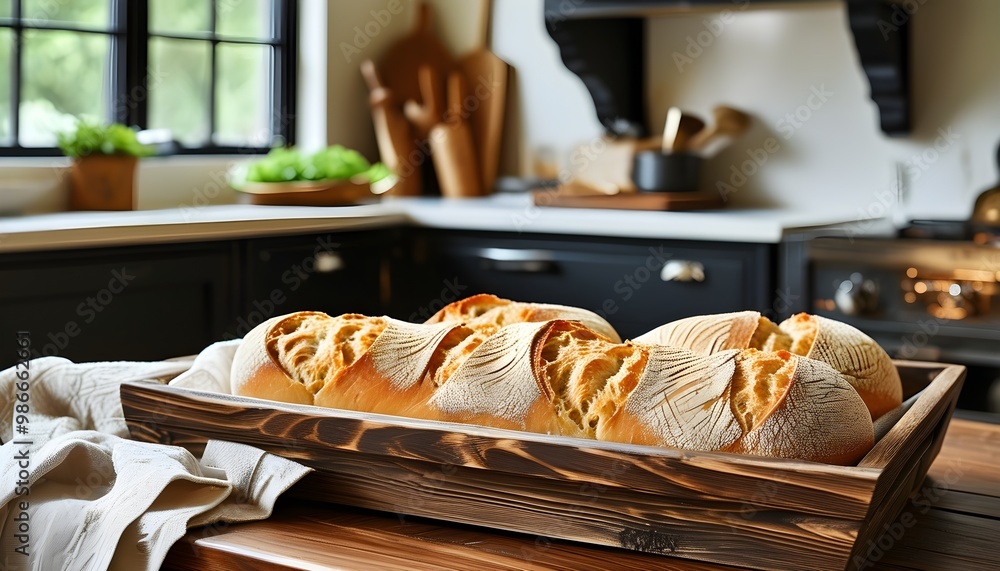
(328, 262)
(514, 260)
(683, 271)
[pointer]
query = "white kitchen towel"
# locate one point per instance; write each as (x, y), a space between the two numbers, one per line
(100, 501)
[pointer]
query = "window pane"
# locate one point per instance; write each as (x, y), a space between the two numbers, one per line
(181, 16)
(242, 98)
(5, 9)
(6, 41)
(179, 93)
(91, 13)
(244, 18)
(64, 75)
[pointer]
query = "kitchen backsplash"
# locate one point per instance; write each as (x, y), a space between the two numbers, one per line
(797, 72)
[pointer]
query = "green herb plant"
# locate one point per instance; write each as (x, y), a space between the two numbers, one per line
(291, 165)
(94, 139)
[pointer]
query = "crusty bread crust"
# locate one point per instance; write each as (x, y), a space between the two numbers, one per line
(707, 334)
(256, 373)
(485, 311)
(865, 365)
(685, 400)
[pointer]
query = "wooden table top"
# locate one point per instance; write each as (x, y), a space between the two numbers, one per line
(952, 524)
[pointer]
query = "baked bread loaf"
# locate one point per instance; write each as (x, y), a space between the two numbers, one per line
(558, 377)
(484, 309)
(865, 365)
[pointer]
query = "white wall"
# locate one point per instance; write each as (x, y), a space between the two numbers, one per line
(767, 62)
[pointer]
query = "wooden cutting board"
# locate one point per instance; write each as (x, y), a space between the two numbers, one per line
(663, 201)
(400, 66)
(486, 78)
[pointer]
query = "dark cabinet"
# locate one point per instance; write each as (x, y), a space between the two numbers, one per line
(156, 302)
(635, 284)
(334, 273)
(136, 304)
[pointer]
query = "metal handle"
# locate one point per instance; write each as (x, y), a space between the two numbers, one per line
(683, 271)
(514, 260)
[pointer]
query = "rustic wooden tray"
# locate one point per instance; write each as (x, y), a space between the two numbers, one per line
(724, 508)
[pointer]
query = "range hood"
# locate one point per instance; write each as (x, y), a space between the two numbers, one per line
(603, 42)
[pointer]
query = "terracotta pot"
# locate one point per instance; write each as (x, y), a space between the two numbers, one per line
(103, 182)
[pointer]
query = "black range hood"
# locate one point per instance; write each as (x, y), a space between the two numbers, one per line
(603, 42)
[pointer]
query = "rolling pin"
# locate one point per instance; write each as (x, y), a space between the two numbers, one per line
(396, 142)
(452, 147)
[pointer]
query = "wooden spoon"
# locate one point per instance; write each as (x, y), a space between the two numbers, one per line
(679, 129)
(729, 124)
(425, 115)
(396, 144)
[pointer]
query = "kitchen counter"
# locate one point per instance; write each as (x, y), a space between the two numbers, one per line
(507, 213)
(953, 524)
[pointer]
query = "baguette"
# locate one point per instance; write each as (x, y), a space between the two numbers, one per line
(484, 311)
(558, 377)
(865, 365)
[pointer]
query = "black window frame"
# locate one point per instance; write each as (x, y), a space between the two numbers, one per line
(129, 53)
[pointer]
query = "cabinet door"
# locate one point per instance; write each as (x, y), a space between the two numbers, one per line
(116, 304)
(635, 284)
(334, 273)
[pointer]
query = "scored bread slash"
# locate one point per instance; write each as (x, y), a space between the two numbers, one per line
(764, 403)
(394, 375)
(864, 364)
(496, 385)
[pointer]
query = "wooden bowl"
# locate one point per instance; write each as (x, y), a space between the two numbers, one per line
(306, 193)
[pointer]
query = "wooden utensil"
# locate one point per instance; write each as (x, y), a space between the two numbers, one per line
(453, 149)
(680, 127)
(423, 116)
(402, 62)
(729, 124)
(486, 75)
(396, 142)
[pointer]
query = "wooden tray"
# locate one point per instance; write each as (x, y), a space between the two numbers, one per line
(724, 508)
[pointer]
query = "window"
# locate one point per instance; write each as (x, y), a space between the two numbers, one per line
(218, 74)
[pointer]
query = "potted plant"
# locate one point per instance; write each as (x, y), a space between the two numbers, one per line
(102, 176)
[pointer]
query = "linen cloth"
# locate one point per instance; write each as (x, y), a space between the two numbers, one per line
(100, 501)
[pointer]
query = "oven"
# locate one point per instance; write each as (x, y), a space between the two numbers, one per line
(924, 299)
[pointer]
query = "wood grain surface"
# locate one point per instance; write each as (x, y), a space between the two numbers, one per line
(664, 201)
(955, 521)
(716, 507)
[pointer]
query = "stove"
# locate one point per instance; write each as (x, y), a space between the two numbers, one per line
(931, 294)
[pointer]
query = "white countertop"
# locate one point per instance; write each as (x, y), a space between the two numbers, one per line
(507, 213)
